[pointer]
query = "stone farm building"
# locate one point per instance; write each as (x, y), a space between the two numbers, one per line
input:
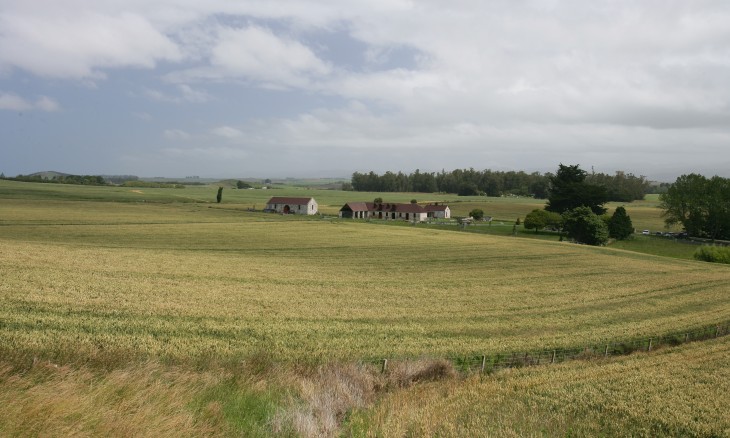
(284, 205)
(387, 210)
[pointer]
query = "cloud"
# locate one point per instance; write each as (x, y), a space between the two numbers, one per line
(227, 132)
(176, 134)
(469, 82)
(13, 102)
(185, 94)
(79, 44)
(255, 54)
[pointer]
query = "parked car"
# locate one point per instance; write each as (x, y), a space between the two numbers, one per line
(645, 232)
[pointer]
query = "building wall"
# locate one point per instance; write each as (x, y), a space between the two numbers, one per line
(309, 209)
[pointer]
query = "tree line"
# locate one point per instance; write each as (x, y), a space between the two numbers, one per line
(700, 204)
(576, 202)
(87, 180)
(622, 187)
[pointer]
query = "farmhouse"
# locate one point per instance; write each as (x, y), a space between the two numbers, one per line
(284, 205)
(386, 210)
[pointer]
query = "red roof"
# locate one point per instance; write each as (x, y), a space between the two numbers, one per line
(285, 200)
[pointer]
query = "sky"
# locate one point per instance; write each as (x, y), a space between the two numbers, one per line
(314, 88)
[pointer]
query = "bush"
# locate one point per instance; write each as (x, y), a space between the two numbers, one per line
(477, 214)
(714, 254)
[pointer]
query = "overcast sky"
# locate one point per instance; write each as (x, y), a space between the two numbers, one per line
(324, 88)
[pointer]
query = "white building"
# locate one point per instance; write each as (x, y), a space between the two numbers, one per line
(437, 211)
(284, 205)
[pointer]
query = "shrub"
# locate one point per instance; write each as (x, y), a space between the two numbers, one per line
(714, 254)
(477, 214)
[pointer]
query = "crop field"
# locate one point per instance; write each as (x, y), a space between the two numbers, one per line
(675, 392)
(92, 278)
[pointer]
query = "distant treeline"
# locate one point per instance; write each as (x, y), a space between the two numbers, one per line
(622, 187)
(86, 180)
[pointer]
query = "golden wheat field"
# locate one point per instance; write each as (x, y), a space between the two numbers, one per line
(674, 392)
(321, 289)
(157, 301)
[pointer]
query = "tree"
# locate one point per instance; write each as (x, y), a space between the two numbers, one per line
(584, 226)
(569, 190)
(242, 185)
(378, 200)
(620, 226)
(468, 189)
(414, 201)
(219, 196)
(477, 214)
(700, 205)
(536, 219)
(539, 219)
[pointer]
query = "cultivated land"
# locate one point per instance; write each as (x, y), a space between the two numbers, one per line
(117, 283)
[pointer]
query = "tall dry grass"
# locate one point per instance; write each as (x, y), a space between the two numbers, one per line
(145, 400)
(326, 395)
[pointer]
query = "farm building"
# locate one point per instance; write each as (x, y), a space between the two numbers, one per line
(284, 205)
(437, 211)
(385, 210)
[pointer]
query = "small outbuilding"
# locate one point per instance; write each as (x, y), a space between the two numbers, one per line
(286, 205)
(437, 211)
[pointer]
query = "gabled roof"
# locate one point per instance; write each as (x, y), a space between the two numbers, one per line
(356, 206)
(409, 208)
(435, 207)
(285, 200)
(385, 207)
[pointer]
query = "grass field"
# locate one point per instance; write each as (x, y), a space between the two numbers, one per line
(102, 285)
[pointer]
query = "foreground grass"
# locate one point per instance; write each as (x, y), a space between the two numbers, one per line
(680, 391)
(673, 392)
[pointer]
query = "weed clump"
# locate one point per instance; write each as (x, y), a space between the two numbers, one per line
(714, 254)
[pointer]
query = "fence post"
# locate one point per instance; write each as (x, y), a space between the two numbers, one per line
(686, 337)
(484, 363)
(717, 331)
(649, 347)
(553, 360)
(606, 353)
(385, 366)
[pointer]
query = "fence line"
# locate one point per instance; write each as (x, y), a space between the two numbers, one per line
(489, 363)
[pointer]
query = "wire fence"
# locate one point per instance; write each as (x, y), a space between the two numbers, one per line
(489, 363)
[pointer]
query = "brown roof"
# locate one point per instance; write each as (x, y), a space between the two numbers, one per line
(409, 208)
(433, 207)
(385, 206)
(285, 200)
(357, 206)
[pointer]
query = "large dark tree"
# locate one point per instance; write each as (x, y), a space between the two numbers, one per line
(584, 226)
(620, 226)
(569, 190)
(700, 205)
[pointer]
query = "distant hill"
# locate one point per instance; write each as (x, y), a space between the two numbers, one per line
(49, 174)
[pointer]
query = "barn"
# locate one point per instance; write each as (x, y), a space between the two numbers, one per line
(286, 205)
(383, 210)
